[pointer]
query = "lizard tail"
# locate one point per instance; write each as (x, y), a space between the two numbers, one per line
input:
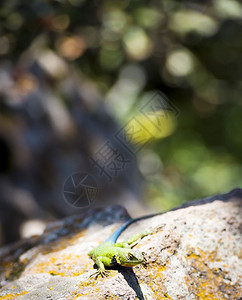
(114, 236)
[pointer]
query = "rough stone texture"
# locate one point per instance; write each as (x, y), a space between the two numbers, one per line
(193, 254)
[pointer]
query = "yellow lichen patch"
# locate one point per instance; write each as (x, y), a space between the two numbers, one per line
(155, 280)
(11, 269)
(85, 292)
(51, 287)
(12, 296)
(208, 283)
(60, 264)
(54, 273)
(92, 287)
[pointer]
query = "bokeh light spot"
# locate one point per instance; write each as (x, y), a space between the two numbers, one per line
(229, 9)
(60, 22)
(71, 47)
(110, 59)
(137, 43)
(148, 17)
(154, 125)
(179, 63)
(185, 21)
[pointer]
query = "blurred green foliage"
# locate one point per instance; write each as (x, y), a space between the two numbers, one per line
(189, 50)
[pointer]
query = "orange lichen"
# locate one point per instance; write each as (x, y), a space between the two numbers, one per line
(207, 282)
(60, 264)
(12, 296)
(54, 273)
(12, 270)
(85, 292)
(66, 265)
(156, 274)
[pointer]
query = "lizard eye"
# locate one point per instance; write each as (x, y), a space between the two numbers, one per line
(131, 256)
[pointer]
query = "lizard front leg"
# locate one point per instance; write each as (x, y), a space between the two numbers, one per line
(101, 262)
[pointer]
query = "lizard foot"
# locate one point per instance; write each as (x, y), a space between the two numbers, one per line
(101, 273)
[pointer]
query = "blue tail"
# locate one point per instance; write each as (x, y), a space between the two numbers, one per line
(114, 236)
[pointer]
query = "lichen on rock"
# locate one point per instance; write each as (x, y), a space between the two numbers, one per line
(195, 254)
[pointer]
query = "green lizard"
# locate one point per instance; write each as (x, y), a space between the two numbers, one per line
(110, 253)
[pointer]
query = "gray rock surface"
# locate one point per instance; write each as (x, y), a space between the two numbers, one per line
(193, 254)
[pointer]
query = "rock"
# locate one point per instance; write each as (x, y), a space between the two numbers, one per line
(193, 254)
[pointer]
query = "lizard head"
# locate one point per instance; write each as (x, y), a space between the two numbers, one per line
(130, 258)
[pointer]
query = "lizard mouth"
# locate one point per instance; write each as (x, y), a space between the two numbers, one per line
(131, 264)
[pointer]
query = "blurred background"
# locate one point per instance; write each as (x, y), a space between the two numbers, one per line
(73, 73)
